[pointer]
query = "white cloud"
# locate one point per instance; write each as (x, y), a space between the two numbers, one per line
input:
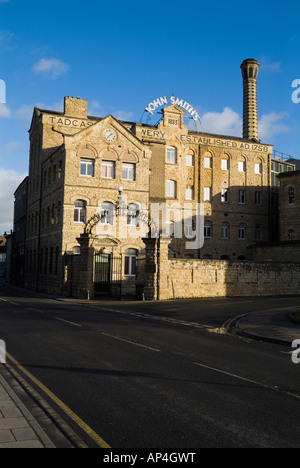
(123, 115)
(10, 148)
(227, 122)
(9, 181)
(266, 65)
(271, 124)
(50, 68)
(5, 112)
(7, 39)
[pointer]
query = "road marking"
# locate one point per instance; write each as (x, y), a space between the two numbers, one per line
(169, 319)
(67, 321)
(36, 310)
(230, 303)
(87, 429)
(269, 387)
(5, 300)
(14, 303)
(131, 342)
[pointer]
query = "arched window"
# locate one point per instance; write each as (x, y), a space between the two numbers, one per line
(133, 214)
(242, 164)
(207, 229)
(80, 211)
(130, 262)
(207, 161)
(107, 213)
(171, 188)
(291, 195)
(171, 155)
(258, 166)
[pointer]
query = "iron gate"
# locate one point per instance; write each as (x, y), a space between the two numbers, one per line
(107, 275)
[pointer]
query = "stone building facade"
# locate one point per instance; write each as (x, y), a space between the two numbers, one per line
(97, 185)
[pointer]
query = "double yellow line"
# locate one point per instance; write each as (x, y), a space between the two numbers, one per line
(87, 429)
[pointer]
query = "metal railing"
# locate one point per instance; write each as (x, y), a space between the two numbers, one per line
(282, 156)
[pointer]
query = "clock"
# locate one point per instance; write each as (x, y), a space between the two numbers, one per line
(109, 135)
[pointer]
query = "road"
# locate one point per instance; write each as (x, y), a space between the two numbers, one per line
(155, 375)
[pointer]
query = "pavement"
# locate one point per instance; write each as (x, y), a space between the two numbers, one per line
(20, 427)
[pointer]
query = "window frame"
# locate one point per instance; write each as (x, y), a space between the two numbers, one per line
(190, 163)
(171, 188)
(79, 212)
(108, 218)
(130, 171)
(291, 195)
(130, 263)
(86, 163)
(107, 164)
(207, 193)
(242, 197)
(189, 192)
(171, 155)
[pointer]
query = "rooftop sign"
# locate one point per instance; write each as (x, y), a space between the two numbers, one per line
(164, 101)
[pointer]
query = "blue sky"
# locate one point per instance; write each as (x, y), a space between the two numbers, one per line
(122, 55)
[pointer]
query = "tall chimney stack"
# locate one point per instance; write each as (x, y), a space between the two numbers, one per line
(249, 69)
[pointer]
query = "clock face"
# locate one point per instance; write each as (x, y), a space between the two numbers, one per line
(109, 135)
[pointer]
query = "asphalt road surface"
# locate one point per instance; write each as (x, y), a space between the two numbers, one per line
(155, 375)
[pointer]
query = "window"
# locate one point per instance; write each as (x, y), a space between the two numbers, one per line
(58, 213)
(170, 228)
(133, 215)
(207, 162)
(291, 234)
(188, 228)
(258, 232)
(207, 229)
(52, 214)
(87, 167)
(242, 166)
(59, 173)
(224, 195)
(242, 231)
(258, 198)
(258, 168)
(291, 195)
(107, 213)
(128, 171)
(225, 164)
(189, 193)
(207, 194)
(46, 262)
(130, 262)
(171, 155)
(189, 159)
(48, 217)
(56, 260)
(108, 169)
(79, 211)
(242, 197)
(51, 261)
(225, 231)
(171, 188)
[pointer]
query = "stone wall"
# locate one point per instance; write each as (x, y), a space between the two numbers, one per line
(213, 278)
(183, 278)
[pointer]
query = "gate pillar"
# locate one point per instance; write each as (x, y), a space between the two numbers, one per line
(156, 268)
(85, 267)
